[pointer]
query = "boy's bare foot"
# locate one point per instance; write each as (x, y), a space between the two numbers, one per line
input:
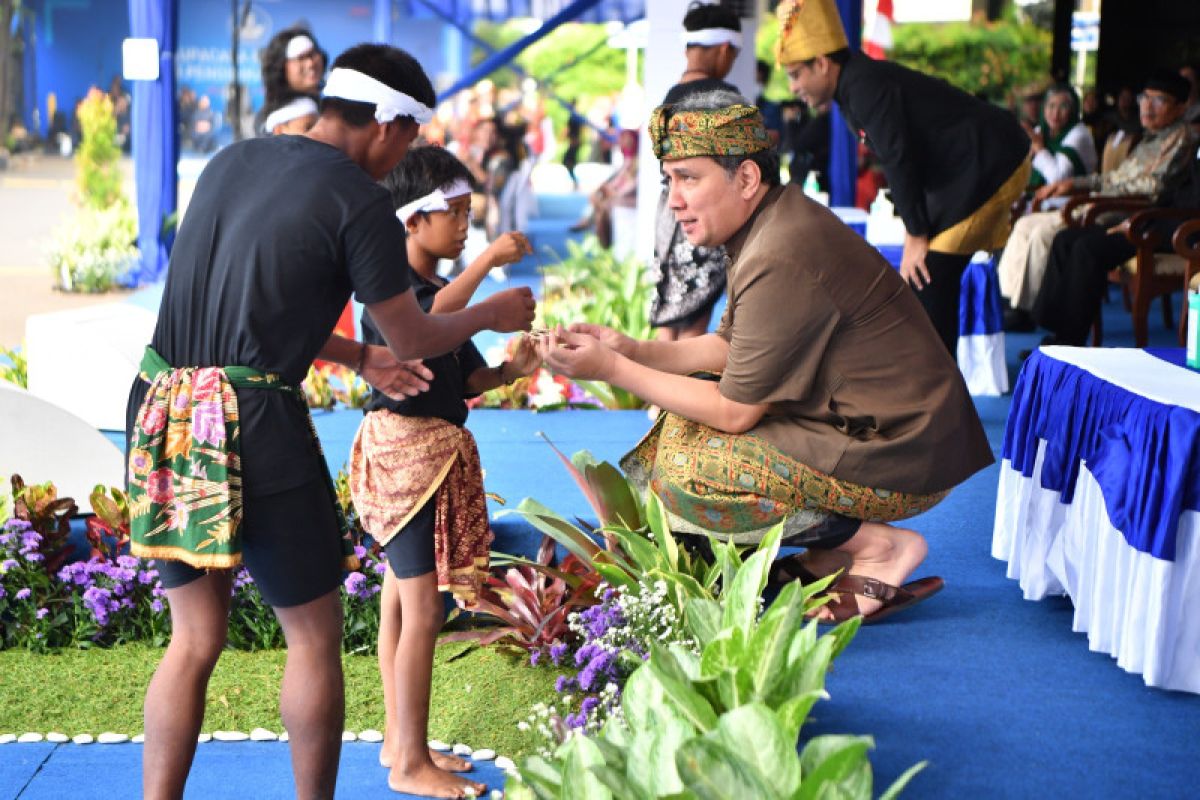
(426, 780)
(883, 552)
(446, 761)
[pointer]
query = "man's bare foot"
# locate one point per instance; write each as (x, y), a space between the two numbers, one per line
(446, 761)
(426, 780)
(883, 552)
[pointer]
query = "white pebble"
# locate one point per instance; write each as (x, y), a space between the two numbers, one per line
(57, 738)
(263, 735)
(349, 736)
(496, 794)
(434, 744)
(483, 754)
(138, 738)
(505, 763)
(283, 737)
(29, 738)
(83, 738)
(461, 749)
(204, 737)
(370, 735)
(230, 736)
(7, 738)
(108, 737)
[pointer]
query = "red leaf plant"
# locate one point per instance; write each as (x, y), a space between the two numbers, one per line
(531, 600)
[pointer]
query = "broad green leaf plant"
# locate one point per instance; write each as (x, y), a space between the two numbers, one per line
(724, 723)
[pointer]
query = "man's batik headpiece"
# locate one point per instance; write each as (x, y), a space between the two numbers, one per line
(736, 130)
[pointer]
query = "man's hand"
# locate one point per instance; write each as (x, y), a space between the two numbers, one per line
(577, 355)
(912, 263)
(614, 340)
(1121, 227)
(396, 379)
(508, 248)
(512, 309)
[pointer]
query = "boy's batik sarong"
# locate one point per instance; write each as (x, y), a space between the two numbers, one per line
(397, 464)
(185, 471)
(738, 486)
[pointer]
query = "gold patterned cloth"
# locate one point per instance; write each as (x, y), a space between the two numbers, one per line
(807, 29)
(736, 130)
(185, 466)
(397, 464)
(738, 486)
(987, 227)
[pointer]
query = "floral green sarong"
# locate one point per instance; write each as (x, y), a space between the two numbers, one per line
(185, 469)
(738, 486)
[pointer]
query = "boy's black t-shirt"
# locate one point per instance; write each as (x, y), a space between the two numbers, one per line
(444, 398)
(278, 233)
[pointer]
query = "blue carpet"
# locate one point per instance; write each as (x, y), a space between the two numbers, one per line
(221, 771)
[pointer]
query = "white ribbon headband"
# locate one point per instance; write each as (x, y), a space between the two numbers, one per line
(710, 37)
(349, 84)
(300, 107)
(299, 45)
(437, 200)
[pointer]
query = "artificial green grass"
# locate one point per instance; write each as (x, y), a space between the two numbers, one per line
(479, 694)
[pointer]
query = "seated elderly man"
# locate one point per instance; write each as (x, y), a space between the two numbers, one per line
(1080, 260)
(835, 412)
(1159, 158)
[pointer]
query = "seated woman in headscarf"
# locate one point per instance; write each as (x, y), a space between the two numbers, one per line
(1062, 145)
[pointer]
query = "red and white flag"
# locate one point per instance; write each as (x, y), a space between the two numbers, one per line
(877, 35)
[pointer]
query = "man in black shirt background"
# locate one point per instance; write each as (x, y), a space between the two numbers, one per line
(280, 231)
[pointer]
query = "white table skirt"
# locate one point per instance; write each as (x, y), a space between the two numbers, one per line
(1130, 604)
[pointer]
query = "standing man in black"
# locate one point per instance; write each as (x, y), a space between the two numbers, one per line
(954, 163)
(224, 466)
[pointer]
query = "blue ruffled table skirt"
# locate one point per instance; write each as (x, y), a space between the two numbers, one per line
(980, 324)
(1099, 499)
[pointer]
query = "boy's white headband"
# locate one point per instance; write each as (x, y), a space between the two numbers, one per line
(300, 107)
(709, 37)
(299, 45)
(349, 84)
(437, 200)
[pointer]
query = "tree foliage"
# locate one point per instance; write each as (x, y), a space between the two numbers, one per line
(992, 59)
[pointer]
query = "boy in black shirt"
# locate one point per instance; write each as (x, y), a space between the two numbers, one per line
(224, 468)
(415, 474)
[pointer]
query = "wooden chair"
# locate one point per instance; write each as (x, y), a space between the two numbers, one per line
(1150, 273)
(1186, 242)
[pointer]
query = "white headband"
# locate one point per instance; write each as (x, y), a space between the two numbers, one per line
(300, 107)
(299, 45)
(709, 37)
(349, 84)
(437, 200)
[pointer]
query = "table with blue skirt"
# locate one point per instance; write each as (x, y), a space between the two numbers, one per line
(1099, 499)
(980, 353)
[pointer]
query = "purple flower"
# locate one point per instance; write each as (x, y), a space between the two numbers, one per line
(355, 584)
(42, 612)
(9, 563)
(557, 651)
(360, 551)
(534, 657)
(563, 684)
(23, 594)
(380, 567)
(127, 562)
(156, 606)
